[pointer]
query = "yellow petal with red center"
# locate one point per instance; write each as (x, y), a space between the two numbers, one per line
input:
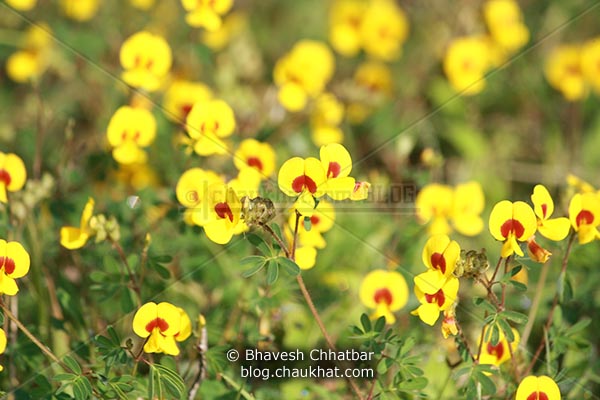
(450, 292)
(219, 231)
(383, 310)
(306, 257)
(146, 58)
(12, 173)
(515, 218)
(171, 315)
(360, 191)
(192, 187)
(499, 353)
(185, 326)
(584, 214)
(314, 172)
(384, 287)
(292, 97)
(501, 213)
(538, 388)
(17, 257)
(430, 282)
(339, 188)
(210, 117)
(255, 154)
(289, 171)
(429, 313)
(144, 315)
(543, 205)
(336, 160)
(555, 229)
(73, 238)
(297, 175)
(440, 253)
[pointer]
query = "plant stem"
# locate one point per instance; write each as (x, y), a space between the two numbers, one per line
(535, 304)
(276, 237)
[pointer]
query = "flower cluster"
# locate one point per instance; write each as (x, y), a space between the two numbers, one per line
(80, 10)
(206, 14)
(385, 291)
(162, 325)
(33, 58)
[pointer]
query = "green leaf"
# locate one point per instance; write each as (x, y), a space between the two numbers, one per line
(418, 383)
(517, 285)
(579, 326)
(515, 270)
(162, 259)
(487, 384)
(163, 380)
(507, 330)
(483, 303)
(249, 272)
(516, 317)
(307, 224)
(161, 270)
(72, 364)
(63, 377)
(272, 271)
(379, 324)
(290, 266)
(365, 322)
(259, 243)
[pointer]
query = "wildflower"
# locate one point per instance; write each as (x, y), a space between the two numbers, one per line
(206, 13)
(128, 130)
(233, 25)
(337, 163)
(185, 326)
(553, 229)
(373, 81)
(383, 30)
(327, 114)
(142, 4)
(22, 5)
(465, 64)
(246, 183)
(192, 190)
(160, 323)
(298, 175)
(302, 73)
(12, 174)
(538, 388)
(257, 155)
(31, 60)
(74, 238)
(434, 203)
(436, 293)
(579, 184)
(146, 59)
(505, 23)
(321, 221)
(80, 10)
(385, 291)
(220, 213)
(441, 254)
(207, 124)
(563, 71)
(2, 344)
(584, 213)
(499, 353)
(181, 97)
(511, 222)
(306, 257)
(360, 191)
(14, 263)
(536, 252)
(449, 326)
(590, 62)
(467, 205)
(345, 19)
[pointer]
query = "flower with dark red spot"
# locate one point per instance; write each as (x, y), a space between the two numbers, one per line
(543, 206)
(129, 130)
(219, 214)
(14, 263)
(436, 293)
(12, 174)
(207, 124)
(298, 175)
(584, 213)
(538, 388)
(440, 253)
(496, 354)
(181, 97)
(337, 164)
(385, 291)
(257, 155)
(321, 221)
(146, 59)
(511, 222)
(159, 323)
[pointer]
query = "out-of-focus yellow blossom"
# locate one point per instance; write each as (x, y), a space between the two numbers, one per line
(137, 175)
(233, 24)
(80, 10)
(467, 206)
(12, 174)
(563, 71)
(128, 131)
(498, 354)
(2, 345)
(146, 59)
(257, 155)
(337, 164)
(538, 388)
(208, 122)
(441, 254)
(32, 60)
(436, 293)
(579, 184)
(466, 62)
(306, 257)
(181, 97)
(373, 80)
(327, 114)
(555, 228)
(345, 19)
(360, 191)
(160, 323)
(192, 189)
(504, 20)
(584, 214)
(220, 213)
(206, 13)
(384, 30)
(14, 263)
(246, 183)
(511, 222)
(22, 5)
(590, 63)
(142, 4)
(303, 73)
(386, 292)
(434, 203)
(73, 237)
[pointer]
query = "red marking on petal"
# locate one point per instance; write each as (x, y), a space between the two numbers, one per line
(216, 126)
(497, 350)
(157, 322)
(222, 210)
(314, 220)
(438, 262)
(537, 396)
(357, 186)
(5, 177)
(514, 226)
(124, 135)
(333, 170)
(8, 264)
(438, 297)
(137, 60)
(149, 64)
(383, 296)
(302, 182)
(185, 109)
(255, 162)
(544, 210)
(136, 136)
(584, 217)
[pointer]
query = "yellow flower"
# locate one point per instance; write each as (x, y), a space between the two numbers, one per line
(325, 118)
(436, 293)
(159, 323)
(306, 257)
(563, 71)
(449, 326)
(32, 60)
(303, 73)
(584, 214)
(22, 5)
(345, 19)
(257, 155)
(128, 130)
(512, 222)
(142, 4)
(337, 163)
(505, 23)
(321, 221)
(185, 326)
(220, 213)
(12, 174)
(298, 175)
(192, 190)
(208, 122)
(385, 291)
(2, 345)
(181, 97)
(434, 203)
(361, 191)
(206, 13)
(536, 252)
(74, 238)
(14, 263)
(232, 26)
(465, 64)
(375, 77)
(246, 183)
(146, 59)
(590, 62)
(467, 205)
(538, 388)
(383, 30)
(441, 254)
(498, 354)
(579, 184)
(80, 10)
(553, 229)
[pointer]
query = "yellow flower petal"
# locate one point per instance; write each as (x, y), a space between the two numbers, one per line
(555, 229)
(306, 257)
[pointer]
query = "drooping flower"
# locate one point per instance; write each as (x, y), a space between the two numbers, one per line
(181, 97)
(536, 252)
(146, 59)
(22, 5)
(538, 388)
(436, 293)
(14, 263)
(73, 237)
(385, 291)
(590, 62)
(207, 124)
(12, 174)
(584, 214)
(345, 19)
(2, 344)
(80, 10)
(360, 191)
(337, 163)
(159, 323)
(563, 71)
(384, 30)
(130, 129)
(298, 175)
(555, 228)
(511, 222)
(449, 325)
(257, 155)
(465, 64)
(441, 254)
(504, 20)
(499, 353)
(206, 13)
(220, 213)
